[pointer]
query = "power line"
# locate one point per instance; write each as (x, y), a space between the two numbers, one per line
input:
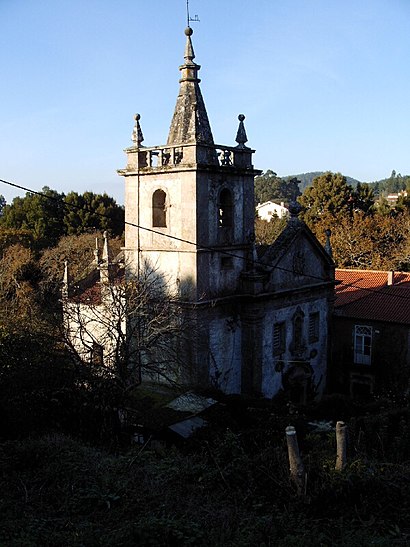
(200, 247)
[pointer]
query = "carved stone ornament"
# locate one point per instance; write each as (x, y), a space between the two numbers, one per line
(241, 137)
(299, 263)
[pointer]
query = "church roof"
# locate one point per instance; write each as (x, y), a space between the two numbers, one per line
(89, 290)
(190, 123)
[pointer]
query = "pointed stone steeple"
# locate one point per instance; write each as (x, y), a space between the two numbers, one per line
(190, 123)
(106, 265)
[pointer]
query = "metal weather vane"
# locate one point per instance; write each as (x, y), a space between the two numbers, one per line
(190, 19)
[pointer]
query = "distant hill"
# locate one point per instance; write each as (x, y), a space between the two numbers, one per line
(307, 178)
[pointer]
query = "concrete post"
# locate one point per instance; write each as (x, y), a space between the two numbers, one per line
(341, 443)
(296, 467)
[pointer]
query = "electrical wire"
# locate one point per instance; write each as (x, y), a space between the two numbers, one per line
(201, 247)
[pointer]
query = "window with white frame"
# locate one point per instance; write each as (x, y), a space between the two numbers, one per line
(362, 344)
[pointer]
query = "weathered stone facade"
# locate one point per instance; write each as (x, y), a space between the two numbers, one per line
(260, 316)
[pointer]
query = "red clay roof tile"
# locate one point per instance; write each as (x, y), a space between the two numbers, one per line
(365, 294)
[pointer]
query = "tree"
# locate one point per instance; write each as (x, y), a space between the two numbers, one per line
(266, 232)
(2, 204)
(266, 186)
(78, 251)
(271, 187)
(383, 207)
(19, 303)
(125, 329)
(51, 215)
(91, 211)
(369, 241)
(11, 236)
(329, 196)
(363, 198)
(41, 214)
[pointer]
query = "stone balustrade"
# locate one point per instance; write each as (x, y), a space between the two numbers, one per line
(160, 157)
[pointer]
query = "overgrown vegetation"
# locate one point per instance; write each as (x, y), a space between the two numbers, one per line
(228, 486)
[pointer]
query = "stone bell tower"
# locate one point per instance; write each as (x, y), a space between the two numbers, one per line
(190, 202)
(189, 208)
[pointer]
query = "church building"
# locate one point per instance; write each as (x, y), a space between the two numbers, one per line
(260, 315)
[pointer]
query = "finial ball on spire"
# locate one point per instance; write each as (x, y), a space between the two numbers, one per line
(189, 31)
(241, 117)
(137, 117)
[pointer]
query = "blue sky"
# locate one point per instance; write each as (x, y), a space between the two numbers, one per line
(324, 84)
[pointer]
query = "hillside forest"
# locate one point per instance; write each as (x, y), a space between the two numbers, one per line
(71, 471)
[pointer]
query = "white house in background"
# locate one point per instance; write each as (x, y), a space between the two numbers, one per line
(267, 210)
(392, 198)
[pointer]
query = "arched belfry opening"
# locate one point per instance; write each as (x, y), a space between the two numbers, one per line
(159, 210)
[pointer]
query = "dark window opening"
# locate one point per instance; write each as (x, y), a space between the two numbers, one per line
(298, 332)
(314, 327)
(159, 214)
(225, 209)
(279, 338)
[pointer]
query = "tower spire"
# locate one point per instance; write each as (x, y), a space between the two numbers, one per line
(190, 122)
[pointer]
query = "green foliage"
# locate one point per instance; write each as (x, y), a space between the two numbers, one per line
(306, 179)
(363, 198)
(42, 215)
(391, 185)
(267, 231)
(270, 187)
(90, 212)
(2, 204)
(329, 195)
(51, 215)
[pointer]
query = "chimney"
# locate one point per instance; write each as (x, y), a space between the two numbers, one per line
(390, 277)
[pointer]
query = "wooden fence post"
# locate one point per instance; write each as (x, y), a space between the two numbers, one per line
(297, 470)
(341, 443)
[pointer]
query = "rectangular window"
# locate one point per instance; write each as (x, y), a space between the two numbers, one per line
(279, 338)
(314, 327)
(362, 344)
